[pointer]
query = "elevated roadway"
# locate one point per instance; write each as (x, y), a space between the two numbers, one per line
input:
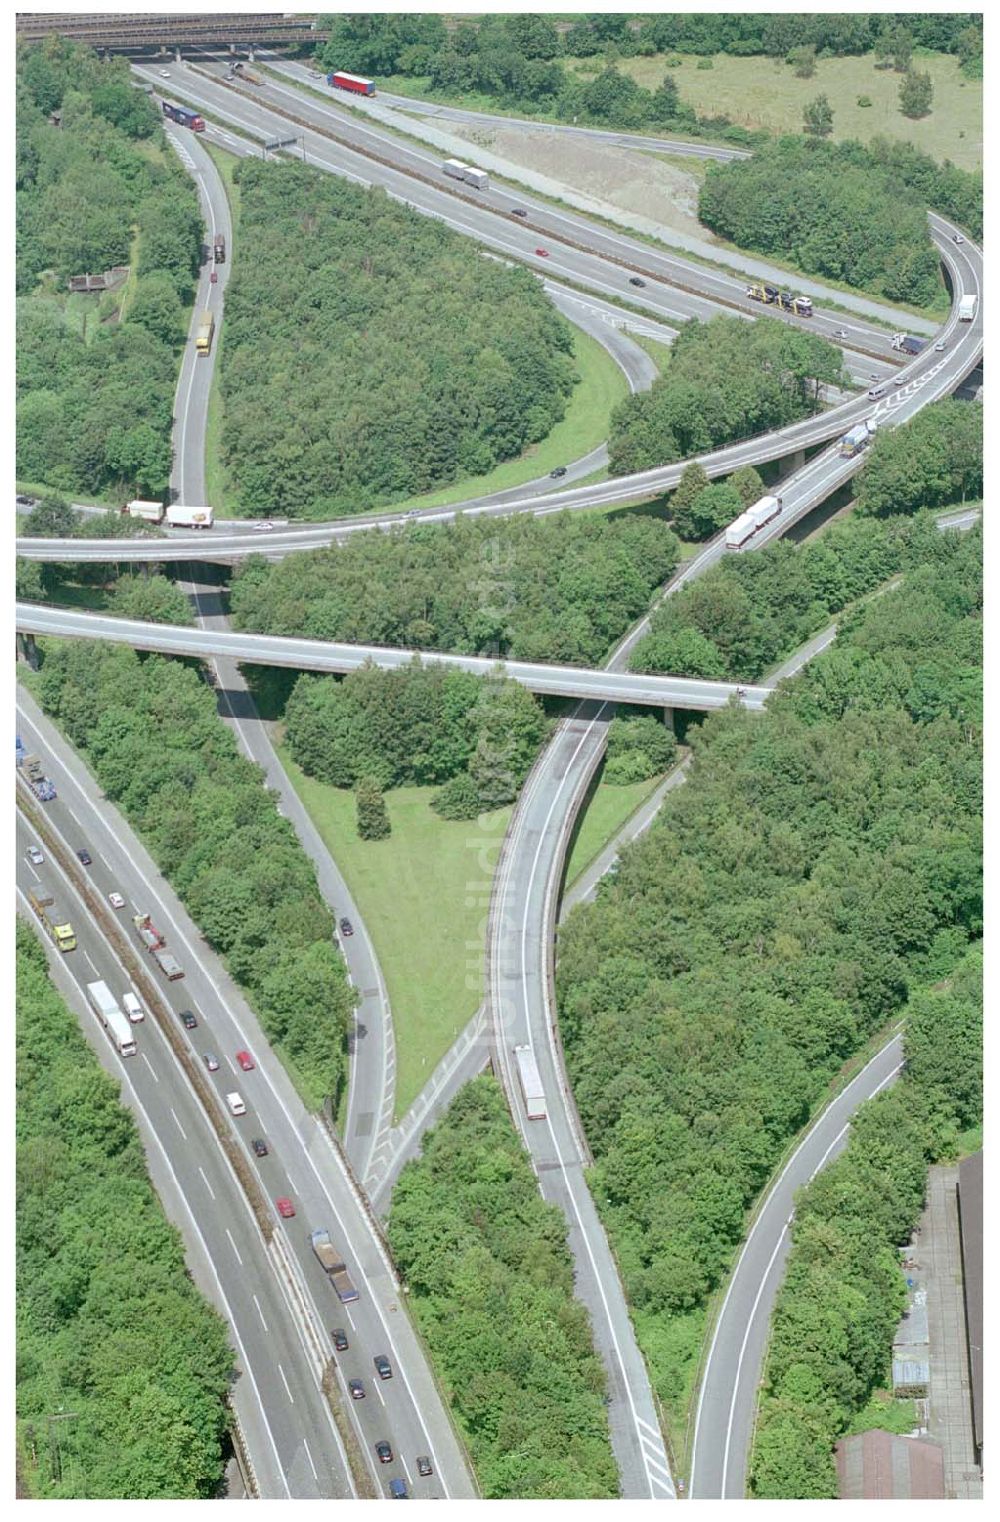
(549, 680)
(521, 942)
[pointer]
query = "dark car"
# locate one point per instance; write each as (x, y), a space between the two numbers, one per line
(346, 928)
(383, 1366)
(384, 1452)
(519, 211)
(259, 1146)
(560, 470)
(542, 253)
(635, 280)
(188, 1020)
(424, 1465)
(85, 856)
(340, 1341)
(23, 501)
(357, 1389)
(398, 1490)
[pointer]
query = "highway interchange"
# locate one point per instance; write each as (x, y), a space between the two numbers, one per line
(526, 890)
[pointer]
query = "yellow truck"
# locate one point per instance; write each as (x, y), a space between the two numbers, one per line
(203, 336)
(55, 924)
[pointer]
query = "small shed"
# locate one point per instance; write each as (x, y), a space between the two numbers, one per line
(880, 1466)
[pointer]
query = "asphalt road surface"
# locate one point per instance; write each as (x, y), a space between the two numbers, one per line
(302, 1163)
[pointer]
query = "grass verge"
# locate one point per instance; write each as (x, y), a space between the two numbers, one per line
(427, 925)
(609, 808)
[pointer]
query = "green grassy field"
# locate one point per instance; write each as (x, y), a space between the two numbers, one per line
(423, 894)
(607, 811)
(765, 93)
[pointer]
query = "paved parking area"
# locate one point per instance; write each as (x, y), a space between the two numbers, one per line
(938, 1250)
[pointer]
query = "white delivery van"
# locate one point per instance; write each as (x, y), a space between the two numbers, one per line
(236, 1105)
(132, 1007)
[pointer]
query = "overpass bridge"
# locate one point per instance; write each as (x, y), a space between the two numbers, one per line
(118, 30)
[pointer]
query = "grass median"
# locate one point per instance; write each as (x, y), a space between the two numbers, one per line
(423, 895)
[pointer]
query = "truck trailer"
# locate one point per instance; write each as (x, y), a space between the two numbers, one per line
(179, 516)
(531, 1083)
(352, 82)
(858, 438)
(204, 333)
(105, 1006)
(743, 528)
(54, 922)
(967, 308)
(183, 117)
(906, 343)
(149, 512)
(148, 933)
(168, 964)
(333, 1266)
(477, 178)
(219, 249)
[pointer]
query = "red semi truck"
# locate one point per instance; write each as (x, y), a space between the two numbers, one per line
(353, 82)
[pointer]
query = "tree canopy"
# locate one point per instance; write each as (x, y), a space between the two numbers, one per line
(490, 1283)
(822, 860)
(728, 380)
(832, 209)
(371, 354)
(95, 390)
(150, 730)
(843, 1291)
(109, 1323)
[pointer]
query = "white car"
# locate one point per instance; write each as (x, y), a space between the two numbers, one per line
(34, 855)
(266, 527)
(132, 1007)
(940, 346)
(958, 238)
(116, 901)
(164, 73)
(236, 1104)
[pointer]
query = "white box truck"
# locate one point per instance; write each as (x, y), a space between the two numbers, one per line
(151, 512)
(105, 1005)
(967, 308)
(751, 522)
(477, 178)
(532, 1091)
(189, 517)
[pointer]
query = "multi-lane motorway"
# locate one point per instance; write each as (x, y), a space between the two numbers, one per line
(526, 890)
(302, 1164)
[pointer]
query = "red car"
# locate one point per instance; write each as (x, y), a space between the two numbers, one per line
(285, 1208)
(542, 253)
(245, 1061)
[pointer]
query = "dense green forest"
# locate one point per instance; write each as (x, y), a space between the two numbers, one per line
(933, 460)
(96, 375)
(560, 588)
(109, 1324)
(371, 354)
(422, 724)
(516, 58)
(490, 1284)
(843, 1291)
(748, 612)
(150, 730)
(836, 210)
(727, 380)
(822, 858)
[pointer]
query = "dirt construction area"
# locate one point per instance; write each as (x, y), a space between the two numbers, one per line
(646, 184)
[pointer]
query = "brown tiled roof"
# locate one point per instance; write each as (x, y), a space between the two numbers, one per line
(879, 1466)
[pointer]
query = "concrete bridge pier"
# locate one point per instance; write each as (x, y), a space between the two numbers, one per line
(668, 719)
(27, 650)
(793, 462)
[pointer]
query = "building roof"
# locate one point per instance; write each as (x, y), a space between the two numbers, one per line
(970, 1209)
(879, 1466)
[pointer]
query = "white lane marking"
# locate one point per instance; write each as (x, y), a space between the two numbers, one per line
(208, 1186)
(309, 1456)
(89, 961)
(177, 1123)
(378, 1392)
(234, 1247)
(284, 1381)
(32, 871)
(149, 1065)
(260, 1313)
